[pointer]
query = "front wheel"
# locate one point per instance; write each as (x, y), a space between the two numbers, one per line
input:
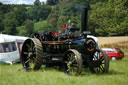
(99, 62)
(72, 62)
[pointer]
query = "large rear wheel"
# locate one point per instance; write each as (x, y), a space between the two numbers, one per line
(99, 62)
(72, 62)
(32, 54)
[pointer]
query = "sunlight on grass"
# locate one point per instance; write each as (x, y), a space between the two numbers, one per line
(14, 75)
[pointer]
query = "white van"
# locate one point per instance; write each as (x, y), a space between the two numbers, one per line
(10, 48)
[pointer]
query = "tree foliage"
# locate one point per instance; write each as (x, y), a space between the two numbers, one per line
(105, 17)
(20, 13)
(12, 16)
(52, 2)
(53, 18)
(29, 27)
(37, 3)
(109, 18)
(1, 23)
(10, 23)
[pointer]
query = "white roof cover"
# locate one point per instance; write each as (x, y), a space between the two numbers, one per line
(6, 38)
(9, 38)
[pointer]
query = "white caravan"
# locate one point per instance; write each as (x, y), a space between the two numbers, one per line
(10, 48)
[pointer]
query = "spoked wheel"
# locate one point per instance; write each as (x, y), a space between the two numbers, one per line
(32, 54)
(72, 62)
(99, 62)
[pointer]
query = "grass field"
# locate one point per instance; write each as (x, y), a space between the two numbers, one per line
(13, 75)
(117, 75)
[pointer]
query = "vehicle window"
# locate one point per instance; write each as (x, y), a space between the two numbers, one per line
(111, 50)
(1, 48)
(7, 47)
(13, 45)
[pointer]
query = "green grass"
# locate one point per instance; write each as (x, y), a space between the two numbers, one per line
(13, 75)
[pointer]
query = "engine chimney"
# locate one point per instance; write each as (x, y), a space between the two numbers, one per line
(84, 15)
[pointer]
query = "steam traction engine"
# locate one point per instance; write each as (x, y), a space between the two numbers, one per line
(72, 51)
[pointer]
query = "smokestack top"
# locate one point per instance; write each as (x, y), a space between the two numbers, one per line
(84, 14)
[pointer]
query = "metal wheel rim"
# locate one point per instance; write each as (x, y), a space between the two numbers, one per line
(103, 62)
(29, 55)
(32, 54)
(72, 64)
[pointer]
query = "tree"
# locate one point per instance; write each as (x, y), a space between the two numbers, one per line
(1, 23)
(10, 23)
(53, 18)
(52, 2)
(32, 13)
(21, 31)
(20, 13)
(29, 27)
(5, 8)
(43, 12)
(38, 13)
(109, 18)
(37, 3)
(69, 10)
